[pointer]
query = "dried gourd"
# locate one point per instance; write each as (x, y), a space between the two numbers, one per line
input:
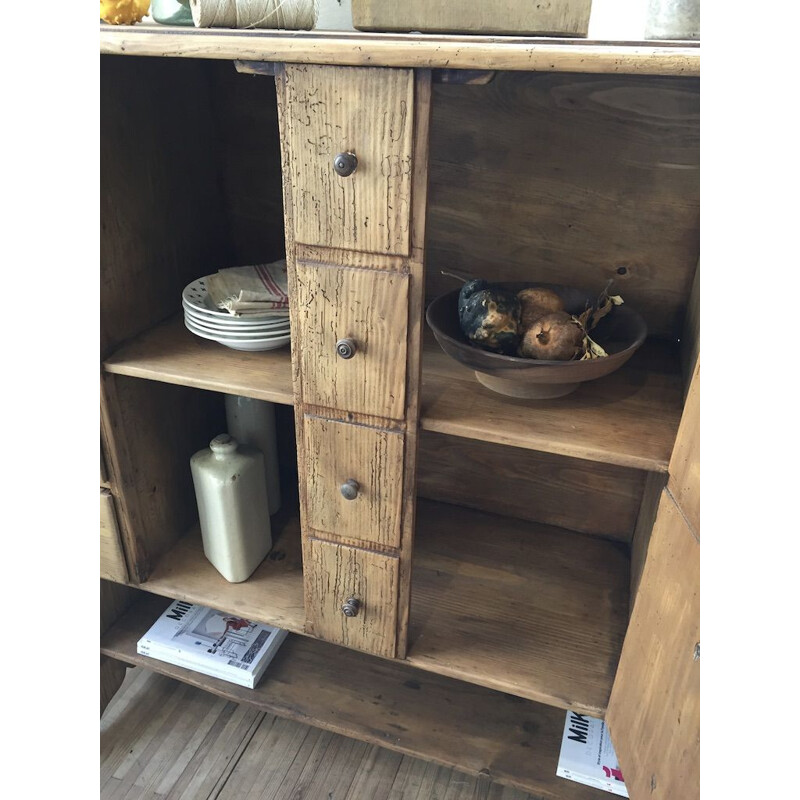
(535, 303)
(489, 318)
(554, 337)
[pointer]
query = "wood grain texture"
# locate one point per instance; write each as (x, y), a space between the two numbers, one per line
(684, 466)
(596, 499)
(333, 573)
(397, 50)
(586, 175)
(112, 558)
(369, 307)
(560, 17)
(337, 452)
(654, 712)
(534, 611)
(161, 225)
(368, 112)
(476, 730)
(629, 418)
(169, 353)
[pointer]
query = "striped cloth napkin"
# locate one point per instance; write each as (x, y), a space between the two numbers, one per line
(243, 291)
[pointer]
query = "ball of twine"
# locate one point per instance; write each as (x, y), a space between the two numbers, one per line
(292, 15)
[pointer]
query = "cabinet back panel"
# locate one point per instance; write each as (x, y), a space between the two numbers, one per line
(566, 178)
(585, 496)
(163, 222)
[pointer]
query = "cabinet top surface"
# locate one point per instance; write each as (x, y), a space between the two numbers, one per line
(434, 51)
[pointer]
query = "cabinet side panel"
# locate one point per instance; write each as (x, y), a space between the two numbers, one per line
(684, 466)
(654, 711)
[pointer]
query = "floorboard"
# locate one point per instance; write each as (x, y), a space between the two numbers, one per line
(164, 740)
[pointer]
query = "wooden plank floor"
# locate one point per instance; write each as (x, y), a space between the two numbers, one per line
(163, 739)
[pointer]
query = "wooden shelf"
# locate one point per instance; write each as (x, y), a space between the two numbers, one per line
(531, 610)
(540, 54)
(473, 729)
(171, 354)
(272, 594)
(629, 418)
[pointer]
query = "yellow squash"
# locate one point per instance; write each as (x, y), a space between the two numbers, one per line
(123, 12)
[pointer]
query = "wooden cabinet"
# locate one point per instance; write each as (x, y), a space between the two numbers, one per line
(521, 574)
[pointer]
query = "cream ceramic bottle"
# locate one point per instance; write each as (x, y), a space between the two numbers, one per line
(232, 502)
(253, 422)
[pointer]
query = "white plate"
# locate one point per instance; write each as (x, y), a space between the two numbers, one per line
(279, 326)
(244, 335)
(195, 295)
(239, 344)
(224, 318)
(226, 335)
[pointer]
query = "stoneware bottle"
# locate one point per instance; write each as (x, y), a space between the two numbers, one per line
(252, 422)
(232, 502)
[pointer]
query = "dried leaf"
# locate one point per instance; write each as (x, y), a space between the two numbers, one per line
(596, 350)
(600, 313)
(583, 319)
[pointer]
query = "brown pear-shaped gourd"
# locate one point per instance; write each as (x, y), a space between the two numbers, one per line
(552, 337)
(535, 303)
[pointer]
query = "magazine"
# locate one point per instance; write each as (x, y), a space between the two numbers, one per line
(587, 755)
(212, 642)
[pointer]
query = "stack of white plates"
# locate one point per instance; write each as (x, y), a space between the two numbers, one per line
(266, 331)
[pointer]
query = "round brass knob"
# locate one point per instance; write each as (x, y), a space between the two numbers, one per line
(349, 489)
(345, 164)
(351, 607)
(346, 348)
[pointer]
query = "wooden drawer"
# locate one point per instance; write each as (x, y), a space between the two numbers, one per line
(112, 560)
(369, 307)
(334, 574)
(337, 452)
(364, 111)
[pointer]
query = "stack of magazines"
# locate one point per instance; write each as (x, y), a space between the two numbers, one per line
(212, 642)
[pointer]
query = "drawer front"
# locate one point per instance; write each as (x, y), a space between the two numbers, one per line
(112, 561)
(367, 308)
(335, 573)
(367, 112)
(354, 480)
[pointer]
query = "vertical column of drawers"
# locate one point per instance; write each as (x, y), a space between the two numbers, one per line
(355, 259)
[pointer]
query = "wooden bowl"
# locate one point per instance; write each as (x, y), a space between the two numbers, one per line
(620, 334)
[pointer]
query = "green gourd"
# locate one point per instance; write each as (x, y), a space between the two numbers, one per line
(489, 318)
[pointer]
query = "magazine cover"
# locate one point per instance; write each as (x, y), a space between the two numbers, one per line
(197, 637)
(587, 755)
